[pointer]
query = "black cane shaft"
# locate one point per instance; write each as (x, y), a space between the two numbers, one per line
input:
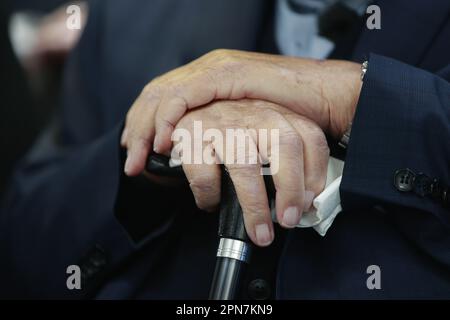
(231, 221)
(234, 246)
(226, 281)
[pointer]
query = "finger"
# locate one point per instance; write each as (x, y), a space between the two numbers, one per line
(289, 178)
(187, 93)
(137, 154)
(245, 173)
(252, 196)
(315, 156)
(128, 119)
(202, 170)
(204, 181)
(123, 137)
(139, 133)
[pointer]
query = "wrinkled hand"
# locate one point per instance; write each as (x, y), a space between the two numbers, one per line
(325, 92)
(302, 163)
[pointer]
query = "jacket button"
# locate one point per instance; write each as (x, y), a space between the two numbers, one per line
(404, 180)
(98, 258)
(93, 263)
(259, 289)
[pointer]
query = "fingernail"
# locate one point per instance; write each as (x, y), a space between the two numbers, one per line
(291, 217)
(309, 197)
(127, 165)
(123, 138)
(128, 162)
(263, 236)
(157, 144)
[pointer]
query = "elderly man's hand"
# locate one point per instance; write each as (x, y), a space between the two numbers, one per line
(299, 175)
(324, 91)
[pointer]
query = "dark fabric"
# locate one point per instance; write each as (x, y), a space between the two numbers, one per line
(43, 6)
(22, 114)
(20, 119)
(60, 208)
(402, 115)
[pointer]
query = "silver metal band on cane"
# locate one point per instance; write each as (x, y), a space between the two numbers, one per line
(234, 249)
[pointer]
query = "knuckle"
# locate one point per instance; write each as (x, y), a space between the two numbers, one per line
(226, 59)
(245, 170)
(201, 183)
(315, 181)
(161, 121)
(269, 117)
(206, 193)
(138, 140)
(265, 111)
(144, 142)
(218, 53)
(322, 146)
(152, 92)
(291, 139)
(175, 93)
(186, 123)
(255, 211)
(291, 187)
(316, 184)
(222, 65)
(231, 65)
(317, 138)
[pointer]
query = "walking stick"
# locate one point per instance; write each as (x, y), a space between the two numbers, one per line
(233, 252)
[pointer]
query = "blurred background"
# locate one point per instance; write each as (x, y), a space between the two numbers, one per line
(33, 48)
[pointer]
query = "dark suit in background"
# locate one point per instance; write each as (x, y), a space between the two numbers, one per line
(70, 203)
(22, 116)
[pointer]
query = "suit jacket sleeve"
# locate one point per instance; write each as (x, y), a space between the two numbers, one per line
(402, 121)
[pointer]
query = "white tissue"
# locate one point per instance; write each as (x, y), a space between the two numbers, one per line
(326, 205)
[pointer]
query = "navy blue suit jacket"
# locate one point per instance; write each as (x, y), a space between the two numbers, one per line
(69, 203)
